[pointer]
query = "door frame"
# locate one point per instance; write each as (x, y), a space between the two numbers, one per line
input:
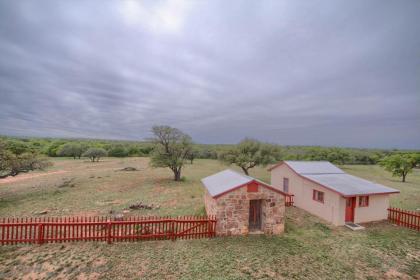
(255, 214)
(349, 211)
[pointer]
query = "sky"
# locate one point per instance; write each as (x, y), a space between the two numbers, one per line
(329, 73)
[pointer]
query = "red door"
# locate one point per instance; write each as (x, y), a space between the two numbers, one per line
(350, 204)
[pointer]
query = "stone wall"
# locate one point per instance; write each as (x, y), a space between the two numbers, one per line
(232, 211)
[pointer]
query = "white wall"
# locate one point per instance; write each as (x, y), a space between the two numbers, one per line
(302, 189)
(334, 206)
(376, 211)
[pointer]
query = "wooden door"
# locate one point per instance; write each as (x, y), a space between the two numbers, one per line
(350, 204)
(254, 215)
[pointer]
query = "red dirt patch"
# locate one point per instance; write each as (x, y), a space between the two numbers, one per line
(29, 176)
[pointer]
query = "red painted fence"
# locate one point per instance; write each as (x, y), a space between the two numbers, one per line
(405, 218)
(66, 229)
(288, 200)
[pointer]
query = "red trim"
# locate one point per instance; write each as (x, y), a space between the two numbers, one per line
(253, 181)
(369, 194)
(319, 184)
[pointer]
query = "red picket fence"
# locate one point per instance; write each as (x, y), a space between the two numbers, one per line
(405, 218)
(65, 229)
(288, 200)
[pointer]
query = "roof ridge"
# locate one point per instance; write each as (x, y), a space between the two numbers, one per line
(239, 173)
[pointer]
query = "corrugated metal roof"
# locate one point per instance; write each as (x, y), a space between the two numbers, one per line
(332, 177)
(348, 185)
(314, 167)
(225, 180)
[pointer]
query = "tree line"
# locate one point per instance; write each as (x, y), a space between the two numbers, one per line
(75, 148)
(172, 148)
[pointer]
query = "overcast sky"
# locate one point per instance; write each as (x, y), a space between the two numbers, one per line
(331, 73)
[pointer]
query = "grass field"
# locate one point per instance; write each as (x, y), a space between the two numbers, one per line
(309, 249)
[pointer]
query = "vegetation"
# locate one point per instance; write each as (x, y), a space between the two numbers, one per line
(95, 154)
(71, 149)
(172, 149)
(400, 164)
(118, 150)
(309, 247)
(54, 147)
(248, 154)
(15, 161)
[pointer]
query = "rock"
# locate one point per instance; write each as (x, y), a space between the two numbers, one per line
(126, 211)
(140, 205)
(128, 169)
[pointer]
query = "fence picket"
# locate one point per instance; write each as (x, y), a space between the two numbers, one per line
(65, 229)
(405, 218)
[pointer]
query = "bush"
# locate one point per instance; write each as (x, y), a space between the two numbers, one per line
(95, 154)
(11, 163)
(118, 151)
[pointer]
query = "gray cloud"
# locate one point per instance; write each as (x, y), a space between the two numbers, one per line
(342, 73)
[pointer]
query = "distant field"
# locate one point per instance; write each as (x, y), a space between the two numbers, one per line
(309, 249)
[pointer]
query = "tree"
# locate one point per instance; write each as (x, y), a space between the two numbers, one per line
(398, 164)
(95, 154)
(171, 149)
(118, 150)
(415, 159)
(194, 153)
(12, 164)
(74, 150)
(250, 153)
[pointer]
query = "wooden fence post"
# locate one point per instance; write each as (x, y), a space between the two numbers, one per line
(40, 233)
(173, 229)
(109, 228)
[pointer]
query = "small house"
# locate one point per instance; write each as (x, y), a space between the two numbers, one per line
(328, 192)
(243, 205)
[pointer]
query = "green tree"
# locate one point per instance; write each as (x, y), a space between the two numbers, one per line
(171, 149)
(398, 164)
(12, 164)
(95, 154)
(193, 154)
(118, 150)
(249, 153)
(74, 150)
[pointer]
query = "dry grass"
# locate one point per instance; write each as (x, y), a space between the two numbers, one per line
(309, 249)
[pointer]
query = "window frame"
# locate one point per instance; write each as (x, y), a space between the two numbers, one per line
(315, 196)
(365, 200)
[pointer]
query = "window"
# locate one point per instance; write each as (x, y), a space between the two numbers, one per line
(286, 185)
(318, 196)
(363, 201)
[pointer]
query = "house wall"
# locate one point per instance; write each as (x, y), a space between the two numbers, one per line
(334, 206)
(376, 211)
(232, 211)
(302, 190)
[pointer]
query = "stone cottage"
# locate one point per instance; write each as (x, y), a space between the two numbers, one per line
(243, 204)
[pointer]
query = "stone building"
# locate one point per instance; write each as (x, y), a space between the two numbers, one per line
(243, 204)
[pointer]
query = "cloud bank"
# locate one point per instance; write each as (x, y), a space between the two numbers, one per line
(335, 73)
